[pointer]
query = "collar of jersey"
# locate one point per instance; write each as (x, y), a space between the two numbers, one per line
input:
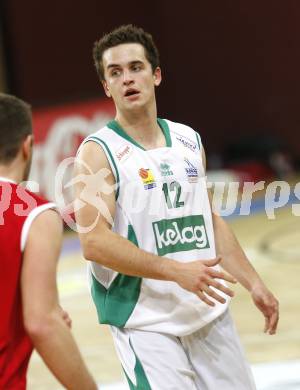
(114, 125)
(5, 179)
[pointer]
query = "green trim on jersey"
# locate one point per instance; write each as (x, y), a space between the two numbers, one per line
(165, 128)
(113, 163)
(114, 125)
(198, 140)
(131, 236)
(116, 304)
(141, 378)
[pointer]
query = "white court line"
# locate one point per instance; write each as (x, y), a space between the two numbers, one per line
(268, 376)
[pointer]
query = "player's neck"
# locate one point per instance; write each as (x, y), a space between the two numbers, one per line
(9, 176)
(142, 127)
(12, 171)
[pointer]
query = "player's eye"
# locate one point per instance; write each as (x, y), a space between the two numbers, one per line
(115, 72)
(136, 68)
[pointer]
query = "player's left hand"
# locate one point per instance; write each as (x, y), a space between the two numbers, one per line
(268, 305)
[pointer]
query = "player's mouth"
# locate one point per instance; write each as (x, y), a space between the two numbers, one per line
(131, 93)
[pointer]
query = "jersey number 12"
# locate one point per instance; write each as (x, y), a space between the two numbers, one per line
(173, 187)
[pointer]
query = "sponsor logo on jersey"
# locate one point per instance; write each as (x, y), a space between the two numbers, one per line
(147, 178)
(187, 143)
(191, 171)
(123, 153)
(165, 169)
(180, 234)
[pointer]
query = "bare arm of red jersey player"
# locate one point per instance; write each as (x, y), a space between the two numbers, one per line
(44, 319)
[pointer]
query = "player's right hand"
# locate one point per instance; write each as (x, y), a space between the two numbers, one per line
(201, 278)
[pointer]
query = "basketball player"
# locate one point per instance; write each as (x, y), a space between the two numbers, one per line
(30, 242)
(155, 246)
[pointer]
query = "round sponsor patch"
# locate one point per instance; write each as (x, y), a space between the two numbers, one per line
(143, 173)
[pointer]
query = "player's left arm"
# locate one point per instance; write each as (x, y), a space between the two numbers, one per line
(45, 321)
(235, 261)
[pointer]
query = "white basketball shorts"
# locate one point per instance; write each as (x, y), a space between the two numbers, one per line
(209, 359)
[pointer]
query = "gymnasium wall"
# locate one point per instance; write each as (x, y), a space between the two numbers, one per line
(231, 68)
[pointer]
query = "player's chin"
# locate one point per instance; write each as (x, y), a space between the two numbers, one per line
(135, 104)
(137, 100)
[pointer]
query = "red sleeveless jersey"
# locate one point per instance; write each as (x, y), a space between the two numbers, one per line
(18, 208)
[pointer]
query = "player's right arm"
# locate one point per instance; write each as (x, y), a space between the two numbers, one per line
(100, 244)
(44, 320)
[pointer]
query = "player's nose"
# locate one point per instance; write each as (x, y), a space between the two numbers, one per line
(127, 77)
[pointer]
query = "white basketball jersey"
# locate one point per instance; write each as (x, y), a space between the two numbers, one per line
(162, 206)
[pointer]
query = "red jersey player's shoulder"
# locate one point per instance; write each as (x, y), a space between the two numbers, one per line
(36, 206)
(19, 194)
(27, 203)
(28, 200)
(39, 199)
(20, 204)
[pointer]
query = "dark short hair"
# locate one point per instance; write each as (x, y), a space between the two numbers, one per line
(15, 125)
(125, 34)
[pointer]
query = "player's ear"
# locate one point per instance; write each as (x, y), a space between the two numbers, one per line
(157, 76)
(106, 89)
(27, 146)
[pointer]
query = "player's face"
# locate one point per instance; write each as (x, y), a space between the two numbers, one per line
(129, 78)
